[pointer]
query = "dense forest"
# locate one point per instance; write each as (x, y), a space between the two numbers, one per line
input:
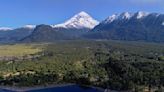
(115, 65)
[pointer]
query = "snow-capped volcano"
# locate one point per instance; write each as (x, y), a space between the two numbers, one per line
(79, 21)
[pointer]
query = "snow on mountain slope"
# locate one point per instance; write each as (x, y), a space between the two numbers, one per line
(5, 29)
(126, 16)
(81, 20)
(30, 26)
(111, 18)
(141, 14)
(122, 16)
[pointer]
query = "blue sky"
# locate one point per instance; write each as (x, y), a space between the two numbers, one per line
(16, 13)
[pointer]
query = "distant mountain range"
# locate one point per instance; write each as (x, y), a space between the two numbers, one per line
(139, 26)
(8, 35)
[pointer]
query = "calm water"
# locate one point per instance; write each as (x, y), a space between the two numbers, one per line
(72, 88)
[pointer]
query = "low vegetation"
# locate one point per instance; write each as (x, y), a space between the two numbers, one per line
(18, 50)
(108, 64)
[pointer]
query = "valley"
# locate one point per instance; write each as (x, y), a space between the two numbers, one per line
(13, 52)
(116, 65)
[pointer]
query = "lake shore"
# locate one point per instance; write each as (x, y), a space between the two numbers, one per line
(23, 89)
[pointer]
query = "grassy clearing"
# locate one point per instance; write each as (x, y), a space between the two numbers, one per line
(19, 49)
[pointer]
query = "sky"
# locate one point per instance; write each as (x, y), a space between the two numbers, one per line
(17, 13)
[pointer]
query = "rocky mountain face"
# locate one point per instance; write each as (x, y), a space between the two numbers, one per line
(140, 26)
(45, 33)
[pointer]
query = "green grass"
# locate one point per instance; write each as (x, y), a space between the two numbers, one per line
(19, 49)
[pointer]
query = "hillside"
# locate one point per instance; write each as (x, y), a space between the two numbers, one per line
(140, 26)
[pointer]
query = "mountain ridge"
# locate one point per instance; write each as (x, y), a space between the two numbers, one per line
(139, 26)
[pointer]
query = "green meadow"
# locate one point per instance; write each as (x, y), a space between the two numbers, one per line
(19, 49)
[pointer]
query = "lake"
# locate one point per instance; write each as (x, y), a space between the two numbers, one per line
(70, 88)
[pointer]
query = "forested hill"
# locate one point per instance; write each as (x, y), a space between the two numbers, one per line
(116, 65)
